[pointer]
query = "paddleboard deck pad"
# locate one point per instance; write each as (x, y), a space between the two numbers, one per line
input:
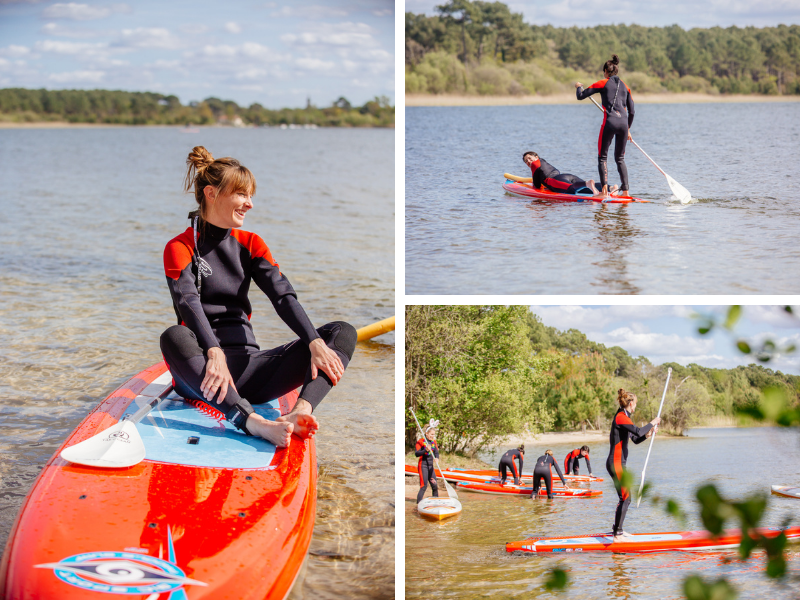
(644, 542)
(519, 490)
(439, 508)
(485, 475)
(527, 190)
(786, 490)
(209, 514)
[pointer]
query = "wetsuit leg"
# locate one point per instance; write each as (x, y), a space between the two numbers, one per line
(536, 483)
(422, 469)
(613, 128)
(565, 183)
(624, 495)
(575, 469)
(619, 156)
(548, 480)
(187, 363)
(503, 467)
(516, 472)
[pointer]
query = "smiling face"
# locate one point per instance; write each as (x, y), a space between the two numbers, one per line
(431, 434)
(227, 210)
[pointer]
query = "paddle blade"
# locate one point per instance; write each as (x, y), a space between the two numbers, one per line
(117, 447)
(680, 192)
(450, 491)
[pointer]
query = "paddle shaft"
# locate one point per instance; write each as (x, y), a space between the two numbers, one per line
(653, 437)
(370, 331)
(450, 490)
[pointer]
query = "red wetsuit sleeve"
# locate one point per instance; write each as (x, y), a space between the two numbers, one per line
(421, 449)
(595, 88)
(182, 285)
(268, 277)
(638, 434)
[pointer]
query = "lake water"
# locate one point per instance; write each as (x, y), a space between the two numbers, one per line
(465, 556)
(465, 235)
(84, 217)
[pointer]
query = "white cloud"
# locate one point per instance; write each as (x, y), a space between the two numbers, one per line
(772, 315)
(73, 11)
(308, 12)
(15, 51)
(148, 37)
(595, 318)
(68, 48)
(650, 344)
(78, 77)
(348, 35)
(59, 30)
(315, 64)
(193, 28)
(232, 27)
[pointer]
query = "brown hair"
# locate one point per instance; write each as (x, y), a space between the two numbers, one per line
(610, 66)
(625, 398)
(226, 174)
(535, 156)
(585, 448)
(550, 452)
(521, 448)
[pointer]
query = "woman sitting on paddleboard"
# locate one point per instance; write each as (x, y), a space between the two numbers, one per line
(618, 108)
(507, 464)
(573, 458)
(212, 354)
(621, 429)
(542, 471)
(425, 462)
(546, 175)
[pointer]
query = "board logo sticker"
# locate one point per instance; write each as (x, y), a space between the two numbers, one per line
(127, 573)
(119, 436)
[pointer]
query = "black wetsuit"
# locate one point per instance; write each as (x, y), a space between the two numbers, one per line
(542, 471)
(425, 468)
(218, 315)
(507, 463)
(618, 108)
(621, 428)
(571, 462)
(545, 174)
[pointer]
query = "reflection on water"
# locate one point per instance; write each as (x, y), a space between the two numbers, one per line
(615, 235)
(83, 223)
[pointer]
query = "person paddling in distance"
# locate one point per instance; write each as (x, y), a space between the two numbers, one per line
(572, 459)
(622, 429)
(212, 354)
(425, 466)
(507, 464)
(618, 111)
(546, 175)
(542, 471)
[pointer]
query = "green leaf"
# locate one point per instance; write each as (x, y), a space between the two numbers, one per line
(714, 510)
(743, 347)
(558, 580)
(746, 546)
(734, 314)
(776, 566)
(695, 588)
(773, 403)
(703, 330)
(788, 309)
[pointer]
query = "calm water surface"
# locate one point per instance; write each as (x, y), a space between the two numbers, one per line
(465, 557)
(84, 217)
(465, 235)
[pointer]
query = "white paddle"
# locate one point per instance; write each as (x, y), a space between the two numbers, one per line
(680, 192)
(450, 491)
(653, 437)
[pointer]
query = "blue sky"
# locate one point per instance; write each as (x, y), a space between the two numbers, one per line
(686, 13)
(669, 334)
(277, 53)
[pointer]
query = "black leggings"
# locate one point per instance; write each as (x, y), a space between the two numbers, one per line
(538, 475)
(507, 464)
(624, 494)
(259, 375)
(567, 184)
(426, 474)
(613, 128)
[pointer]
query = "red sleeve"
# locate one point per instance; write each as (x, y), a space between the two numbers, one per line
(255, 245)
(627, 88)
(598, 85)
(178, 254)
(623, 419)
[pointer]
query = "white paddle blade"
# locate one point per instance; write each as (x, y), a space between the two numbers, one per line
(680, 192)
(117, 447)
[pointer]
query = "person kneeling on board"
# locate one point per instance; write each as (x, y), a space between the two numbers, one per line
(546, 175)
(507, 463)
(572, 459)
(542, 471)
(425, 463)
(212, 353)
(622, 428)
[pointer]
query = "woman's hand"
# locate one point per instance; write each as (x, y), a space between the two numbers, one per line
(655, 421)
(630, 139)
(325, 359)
(577, 85)
(217, 376)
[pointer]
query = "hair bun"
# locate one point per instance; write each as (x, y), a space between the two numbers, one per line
(615, 59)
(199, 158)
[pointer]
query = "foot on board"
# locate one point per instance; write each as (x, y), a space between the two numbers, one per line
(278, 432)
(305, 424)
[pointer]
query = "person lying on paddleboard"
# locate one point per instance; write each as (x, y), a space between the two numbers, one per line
(425, 463)
(618, 108)
(546, 175)
(212, 354)
(542, 471)
(572, 459)
(507, 464)
(622, 428)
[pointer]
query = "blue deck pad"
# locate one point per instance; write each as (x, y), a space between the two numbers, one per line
(167, 429)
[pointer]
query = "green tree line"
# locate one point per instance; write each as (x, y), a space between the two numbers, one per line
(147, 108)
(476, 47)
(491, 371)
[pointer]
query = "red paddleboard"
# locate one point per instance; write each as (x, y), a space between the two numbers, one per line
(208, 514)
(511, 489)
(527, 190)
(486, 475)
(645, 542)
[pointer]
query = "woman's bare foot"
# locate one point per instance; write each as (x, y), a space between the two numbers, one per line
(278, 432)
(615, 188)
(305, 424)
(592, 187)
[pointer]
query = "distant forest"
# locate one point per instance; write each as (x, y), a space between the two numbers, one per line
(147, 108)
(483, 48)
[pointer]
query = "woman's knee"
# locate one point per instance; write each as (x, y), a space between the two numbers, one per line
(341, 336)
(180, 341)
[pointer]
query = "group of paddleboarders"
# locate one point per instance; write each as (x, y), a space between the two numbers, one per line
(618, 109)
(212, 352)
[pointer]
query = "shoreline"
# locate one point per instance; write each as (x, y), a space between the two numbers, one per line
(68, 125)
(413, 100)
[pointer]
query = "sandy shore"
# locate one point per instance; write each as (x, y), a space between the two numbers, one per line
(686, 98)
(66, 125)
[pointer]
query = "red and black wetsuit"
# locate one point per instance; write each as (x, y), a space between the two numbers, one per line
(214, 311)
(621, 428)
(618, 108)
(507, 462)
(571, 462)
(542, 471)
(545, 174)
(425, 468)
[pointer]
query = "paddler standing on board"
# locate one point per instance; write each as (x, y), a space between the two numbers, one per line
(572, 459)
(622, 427)
(542, 471)
(426, 449)
(507, 464)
